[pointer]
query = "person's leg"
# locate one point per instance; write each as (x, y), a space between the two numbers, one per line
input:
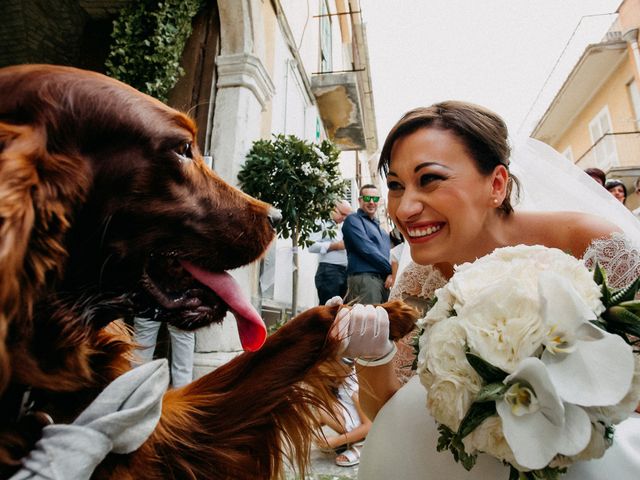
(145, 335)
(330, 281)
(365, 288)
(342, 284)
(334, 422)
(323, 283)
(357, 430)
(182, 347)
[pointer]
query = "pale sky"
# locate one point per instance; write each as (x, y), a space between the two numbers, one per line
(497, 53)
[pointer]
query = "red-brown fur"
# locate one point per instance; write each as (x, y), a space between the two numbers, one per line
(93, 196)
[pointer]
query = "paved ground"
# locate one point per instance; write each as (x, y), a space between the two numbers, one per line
(323, 467)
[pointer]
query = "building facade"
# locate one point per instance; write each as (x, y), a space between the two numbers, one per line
(594, 119)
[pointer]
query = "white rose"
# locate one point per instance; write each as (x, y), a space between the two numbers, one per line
(503, 325)
(441, 309)
(445, 372)
(488, 438)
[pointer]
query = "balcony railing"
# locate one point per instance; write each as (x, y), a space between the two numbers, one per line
(613, 150)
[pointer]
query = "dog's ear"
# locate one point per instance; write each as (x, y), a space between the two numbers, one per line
(37, 194)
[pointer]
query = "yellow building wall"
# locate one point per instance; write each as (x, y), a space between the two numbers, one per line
(613, 94)
(629, 14)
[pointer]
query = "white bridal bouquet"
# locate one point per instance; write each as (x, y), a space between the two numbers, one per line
(527, 357)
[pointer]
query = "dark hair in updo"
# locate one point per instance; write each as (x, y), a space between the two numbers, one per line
(483, 133)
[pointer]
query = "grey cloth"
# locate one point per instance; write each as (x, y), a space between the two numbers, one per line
(119, 420)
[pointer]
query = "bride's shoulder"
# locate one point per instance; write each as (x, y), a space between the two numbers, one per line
(570, 231)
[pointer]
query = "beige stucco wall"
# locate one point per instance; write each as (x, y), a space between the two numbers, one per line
(613, 93)
(270, 27)
(629, 14)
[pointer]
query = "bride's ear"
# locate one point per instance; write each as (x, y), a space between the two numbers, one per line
(499, 184)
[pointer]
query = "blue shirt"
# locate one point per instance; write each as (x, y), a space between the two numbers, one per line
(367, 245)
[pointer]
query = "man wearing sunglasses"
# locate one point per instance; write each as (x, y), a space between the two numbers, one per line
(368, 246)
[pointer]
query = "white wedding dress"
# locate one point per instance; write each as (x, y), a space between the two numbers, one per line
(402, 442)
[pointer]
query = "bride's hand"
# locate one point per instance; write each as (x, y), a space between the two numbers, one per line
(364, 333)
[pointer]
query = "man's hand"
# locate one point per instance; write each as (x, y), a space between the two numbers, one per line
(339, 245)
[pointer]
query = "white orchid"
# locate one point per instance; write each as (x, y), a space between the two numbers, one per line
(536, 423)
(587, 365)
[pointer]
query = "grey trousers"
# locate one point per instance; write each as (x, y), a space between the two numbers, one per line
(366, 288)
(182, 348)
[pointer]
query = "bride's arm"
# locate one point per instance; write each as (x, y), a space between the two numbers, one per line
(377, 385)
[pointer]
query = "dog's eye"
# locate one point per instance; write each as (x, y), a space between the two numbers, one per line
(184, 152)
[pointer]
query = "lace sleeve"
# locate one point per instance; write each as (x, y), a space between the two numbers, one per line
(415, 285)
(618, 256)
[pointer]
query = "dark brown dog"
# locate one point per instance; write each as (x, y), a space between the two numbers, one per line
(106, 210)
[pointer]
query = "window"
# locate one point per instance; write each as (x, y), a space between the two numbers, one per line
(603, 141)
(326, 64)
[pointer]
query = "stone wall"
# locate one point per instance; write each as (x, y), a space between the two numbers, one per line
(41, 31)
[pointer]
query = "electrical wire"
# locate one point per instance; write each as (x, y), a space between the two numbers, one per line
(566, 45)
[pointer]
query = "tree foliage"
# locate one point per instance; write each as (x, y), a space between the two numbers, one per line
(300, 178)
(148, 39)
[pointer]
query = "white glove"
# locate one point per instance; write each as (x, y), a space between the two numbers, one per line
(364, 334)
(334, 301)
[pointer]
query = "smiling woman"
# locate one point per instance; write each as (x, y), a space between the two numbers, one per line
(450, 193)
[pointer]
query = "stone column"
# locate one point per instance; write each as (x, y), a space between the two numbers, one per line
(243, 90)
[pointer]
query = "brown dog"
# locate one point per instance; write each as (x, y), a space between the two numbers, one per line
(107, 209)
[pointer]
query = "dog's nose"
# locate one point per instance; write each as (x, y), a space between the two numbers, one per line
(274, 216)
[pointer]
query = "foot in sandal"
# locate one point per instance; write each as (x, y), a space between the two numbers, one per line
(350, 457)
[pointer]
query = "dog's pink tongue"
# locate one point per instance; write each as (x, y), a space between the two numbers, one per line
(251, 328)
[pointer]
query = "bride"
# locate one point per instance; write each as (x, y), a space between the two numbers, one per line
(450, 180)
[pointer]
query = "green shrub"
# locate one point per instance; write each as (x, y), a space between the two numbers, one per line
(148, 40)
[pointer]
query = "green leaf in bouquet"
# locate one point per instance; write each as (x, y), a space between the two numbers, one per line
(620, 314)
(477, 413)
(631, 305)
(432, 301)
(606, 295)
(492, 392)
(488, 372)
(547, 473)
(619, 319)
(514, 474)
(600, 277)
(609, 432)
(449, 440)
(599, 274)
(626, 294)
(415, 343)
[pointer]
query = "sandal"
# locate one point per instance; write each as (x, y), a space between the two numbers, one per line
(351, 457)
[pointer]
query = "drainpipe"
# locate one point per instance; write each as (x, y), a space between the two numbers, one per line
(631, 37)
